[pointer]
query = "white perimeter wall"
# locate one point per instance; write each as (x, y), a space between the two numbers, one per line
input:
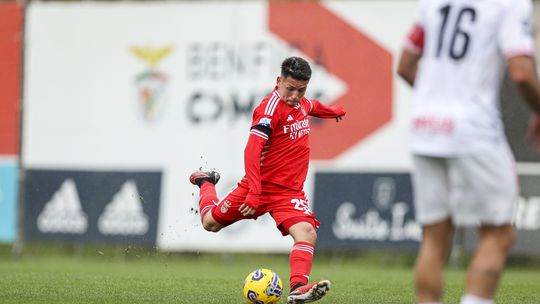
(82, 105)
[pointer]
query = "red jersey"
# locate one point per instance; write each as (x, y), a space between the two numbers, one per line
(279, 160)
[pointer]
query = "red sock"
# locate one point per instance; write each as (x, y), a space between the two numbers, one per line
(300, 260)
(208, 199)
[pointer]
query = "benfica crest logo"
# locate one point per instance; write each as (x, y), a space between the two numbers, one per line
(151, 84)
(225, 207)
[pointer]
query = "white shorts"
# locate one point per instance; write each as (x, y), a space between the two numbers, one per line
(472, 190)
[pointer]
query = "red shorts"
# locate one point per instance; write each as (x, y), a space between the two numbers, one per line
(286, 209)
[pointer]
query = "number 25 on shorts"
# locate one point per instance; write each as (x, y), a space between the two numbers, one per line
(300, 204)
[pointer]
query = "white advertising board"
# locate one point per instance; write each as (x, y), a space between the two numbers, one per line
(170, 86)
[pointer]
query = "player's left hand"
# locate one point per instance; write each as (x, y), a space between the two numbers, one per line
(246, 210)
(250, 205)
(339, 111)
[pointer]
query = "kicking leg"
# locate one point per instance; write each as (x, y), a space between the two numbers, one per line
(436, 240)
(208, 197)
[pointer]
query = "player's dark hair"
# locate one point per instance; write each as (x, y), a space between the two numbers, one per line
(296, 67)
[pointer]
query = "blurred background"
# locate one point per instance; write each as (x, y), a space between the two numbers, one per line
(107, 107)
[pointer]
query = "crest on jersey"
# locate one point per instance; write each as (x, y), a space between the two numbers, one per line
(298, 106)
(225, 207)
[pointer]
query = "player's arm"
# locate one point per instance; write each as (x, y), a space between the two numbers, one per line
(522, 71)
(408, 65)
(411, 54)
(516, 42)
(321, 110)
(258, 137)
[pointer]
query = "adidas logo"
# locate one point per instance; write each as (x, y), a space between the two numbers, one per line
(63, 213)
(124, 215)
(290, 118)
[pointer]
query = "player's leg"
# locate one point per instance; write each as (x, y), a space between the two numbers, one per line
(487, 264)
(490, 189)
(432, 196)
(206, 181)
(431, 260)
(301, 260)
(293, 216)
(301, 256)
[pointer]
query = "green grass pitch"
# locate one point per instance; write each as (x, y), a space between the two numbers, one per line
(106, 278)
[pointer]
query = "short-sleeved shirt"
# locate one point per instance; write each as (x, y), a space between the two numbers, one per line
(464, 44)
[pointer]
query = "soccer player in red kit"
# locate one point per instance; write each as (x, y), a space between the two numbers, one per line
(276, 160)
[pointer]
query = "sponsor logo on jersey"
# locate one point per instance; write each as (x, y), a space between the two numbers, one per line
(63, 213)
(434, 125)
(124, 215)
(298, 106)
(290, 118)
(297, 129)
(265, 122)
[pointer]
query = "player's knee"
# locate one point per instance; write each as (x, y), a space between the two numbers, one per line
(310, 235)
(501, 237)
(303, 232)
(211, 226)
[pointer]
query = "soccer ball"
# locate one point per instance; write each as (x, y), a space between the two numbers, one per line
(263, 286)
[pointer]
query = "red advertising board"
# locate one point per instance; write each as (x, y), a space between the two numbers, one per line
(364, 65)
(11, 35)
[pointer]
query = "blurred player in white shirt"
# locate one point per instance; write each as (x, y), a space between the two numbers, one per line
(464, 172)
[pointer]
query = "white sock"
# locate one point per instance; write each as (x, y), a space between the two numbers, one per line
(471, 299)
(429, 302)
